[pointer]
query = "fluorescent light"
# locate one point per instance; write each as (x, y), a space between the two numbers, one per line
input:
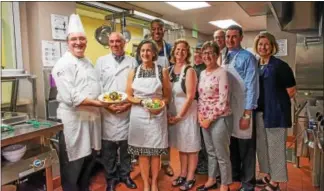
(224, 23)
(188, 5)
(102, 6)
(150, 17)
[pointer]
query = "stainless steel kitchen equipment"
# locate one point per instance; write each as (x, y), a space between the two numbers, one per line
(39, 156)
(313, 138)
(14, 76)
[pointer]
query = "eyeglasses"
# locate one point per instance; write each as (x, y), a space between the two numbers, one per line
(208, 53)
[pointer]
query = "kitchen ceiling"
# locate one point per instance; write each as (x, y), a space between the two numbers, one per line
(198, 18)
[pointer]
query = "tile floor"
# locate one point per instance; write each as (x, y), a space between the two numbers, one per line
(299, 178)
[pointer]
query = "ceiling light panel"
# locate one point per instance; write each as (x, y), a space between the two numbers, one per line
(224, 23)
(188, 5)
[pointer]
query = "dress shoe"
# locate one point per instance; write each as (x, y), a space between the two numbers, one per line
(168, 170)
(204, 188)
(111, 185)
(129, 182)
(188, 184)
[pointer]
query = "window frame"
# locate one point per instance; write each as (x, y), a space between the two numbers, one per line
(16, 41)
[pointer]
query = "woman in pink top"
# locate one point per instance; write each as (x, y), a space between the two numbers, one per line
(215, 118)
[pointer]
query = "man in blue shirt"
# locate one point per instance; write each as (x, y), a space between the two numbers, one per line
(243, 79)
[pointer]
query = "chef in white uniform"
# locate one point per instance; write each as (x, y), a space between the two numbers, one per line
(113, 70)
(78, 88)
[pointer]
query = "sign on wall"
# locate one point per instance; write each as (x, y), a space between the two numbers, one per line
(59, 24)
(282, 47)
(50, 52)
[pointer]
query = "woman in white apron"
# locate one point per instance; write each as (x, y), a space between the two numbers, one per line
(184, 132)
(148, 133)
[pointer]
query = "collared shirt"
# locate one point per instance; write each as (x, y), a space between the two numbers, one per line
(246, 66)
(119, 59)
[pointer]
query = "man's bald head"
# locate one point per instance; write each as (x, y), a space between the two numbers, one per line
(219, 38)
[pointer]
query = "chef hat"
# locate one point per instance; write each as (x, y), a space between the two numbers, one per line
(75, 25)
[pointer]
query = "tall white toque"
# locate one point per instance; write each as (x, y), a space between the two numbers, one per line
(75, 25)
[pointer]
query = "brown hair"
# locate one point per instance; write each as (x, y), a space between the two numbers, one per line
(212, 45)
(268, 36)
(154, 49)
(179, 41)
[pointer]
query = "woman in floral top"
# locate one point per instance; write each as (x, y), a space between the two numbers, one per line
(215, 118)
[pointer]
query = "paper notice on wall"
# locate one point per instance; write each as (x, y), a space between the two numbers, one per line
(50, 52)
(282, 47)
(59, 25)
(64, 47)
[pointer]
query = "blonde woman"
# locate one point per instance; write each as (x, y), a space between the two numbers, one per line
(273, 115)
(148, 133)
(184, 133)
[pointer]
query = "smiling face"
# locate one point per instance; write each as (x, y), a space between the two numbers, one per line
(180, 52)
(77, 43)
(209, 57)
(116, 44)
(198, 56)
(146, 53)
(219, 38)
(233, 39)
(264, 48)
(157, 32)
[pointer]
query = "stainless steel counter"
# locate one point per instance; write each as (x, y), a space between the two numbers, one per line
(26, 131)
(43, 152)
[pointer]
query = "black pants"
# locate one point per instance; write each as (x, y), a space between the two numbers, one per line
(75, 175)
(110, 159)
(243, 158)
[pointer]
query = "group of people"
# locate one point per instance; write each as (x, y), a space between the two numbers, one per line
(225, 109)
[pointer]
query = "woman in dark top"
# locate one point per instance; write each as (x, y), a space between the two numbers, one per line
(273, 115)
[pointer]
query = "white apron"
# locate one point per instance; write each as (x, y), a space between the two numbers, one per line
(184, 135)
(237, 88)
(82, 124)
(145, 129)
(163, 60)
(113, 77)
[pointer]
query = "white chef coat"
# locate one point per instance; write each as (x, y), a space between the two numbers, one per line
(113, 77)
(76, 80)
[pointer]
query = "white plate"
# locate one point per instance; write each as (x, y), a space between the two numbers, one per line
(155, 109)
(124, 97)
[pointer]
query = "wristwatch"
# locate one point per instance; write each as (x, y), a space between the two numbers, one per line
(246, 116)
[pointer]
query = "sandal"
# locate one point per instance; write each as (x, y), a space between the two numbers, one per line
(272, 187)
(168, 170)
(178, 181)
(188, 184)
(262, 181)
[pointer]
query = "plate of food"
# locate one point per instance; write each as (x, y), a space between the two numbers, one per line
(153, 104)
(113, 97)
